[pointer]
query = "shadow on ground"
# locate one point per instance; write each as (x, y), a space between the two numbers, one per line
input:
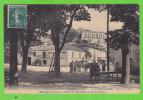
(71, 81)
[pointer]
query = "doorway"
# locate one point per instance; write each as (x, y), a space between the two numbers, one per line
(29, 60)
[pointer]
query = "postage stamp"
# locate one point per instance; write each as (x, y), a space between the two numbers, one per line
(17, 16)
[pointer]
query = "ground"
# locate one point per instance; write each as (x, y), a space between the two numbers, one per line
(36, 80)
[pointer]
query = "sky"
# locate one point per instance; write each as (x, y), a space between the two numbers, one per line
(98, 22)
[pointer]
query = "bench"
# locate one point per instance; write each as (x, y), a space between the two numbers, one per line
(107, 73)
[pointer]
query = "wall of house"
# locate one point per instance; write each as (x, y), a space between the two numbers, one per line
(75, 56)
(116, 57)
(97, 54)
(19, 56)
(65, 57)
(93, 37)
(39, 55)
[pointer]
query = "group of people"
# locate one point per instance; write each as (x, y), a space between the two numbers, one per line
(94, 68)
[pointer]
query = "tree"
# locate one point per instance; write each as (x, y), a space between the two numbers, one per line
(13, 72)
(129, 15)
(128, 35)
(58, 20)
(77, 12)
(10, 36)
(26, 37)
(30, 35)
(71, 37)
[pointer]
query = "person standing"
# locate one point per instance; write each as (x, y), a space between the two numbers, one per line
(94, 69)
(75, 64)
(71, 66)
(103, 66)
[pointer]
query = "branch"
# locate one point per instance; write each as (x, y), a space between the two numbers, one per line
(22, 41)
(69, 26)
(29, 38)
(53, 35)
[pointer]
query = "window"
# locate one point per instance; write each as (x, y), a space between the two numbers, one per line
(72, 54)
(96, 36)
(92, 35)
(44, 54)
(44, 62)
(34, 54)
(85, 35)
(50, 52)
(100, 36)
(63, 52)
(88, 35)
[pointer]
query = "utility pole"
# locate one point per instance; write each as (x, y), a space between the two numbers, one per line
(107, 39)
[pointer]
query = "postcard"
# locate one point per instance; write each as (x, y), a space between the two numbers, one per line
(71, 49)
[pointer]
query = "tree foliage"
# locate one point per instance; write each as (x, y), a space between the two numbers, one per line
(129, 15)
(121, 36)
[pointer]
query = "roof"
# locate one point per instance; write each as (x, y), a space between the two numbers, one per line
(90, 45)
(90, 31)
(46, 48)
(73, 48)
(40, 48)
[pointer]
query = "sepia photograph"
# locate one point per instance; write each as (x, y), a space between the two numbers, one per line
(71, 49)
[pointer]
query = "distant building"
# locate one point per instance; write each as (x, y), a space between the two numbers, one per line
(93, 37)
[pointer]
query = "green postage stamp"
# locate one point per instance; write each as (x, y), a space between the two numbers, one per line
(17, 16)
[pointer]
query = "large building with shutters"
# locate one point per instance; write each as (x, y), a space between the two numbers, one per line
(42, 55)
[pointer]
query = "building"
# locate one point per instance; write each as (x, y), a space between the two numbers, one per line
(42, 55)
(93, 37)
(116, 58)
(97, 43)
(115, 55)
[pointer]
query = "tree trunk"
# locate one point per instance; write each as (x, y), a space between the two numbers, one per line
(57, 63)
(24, 60)
(13, 72)
(57, 57)
(127, 76)
(25, 48)
(125, 66)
